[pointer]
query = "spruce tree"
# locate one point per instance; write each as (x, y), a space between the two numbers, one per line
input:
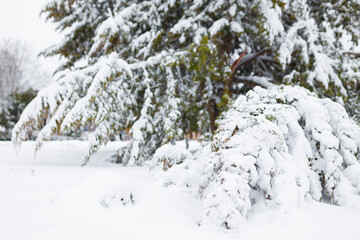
(165, 68)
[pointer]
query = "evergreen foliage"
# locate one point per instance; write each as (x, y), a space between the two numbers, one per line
(163, 67)
(11, 111)
(279, 147)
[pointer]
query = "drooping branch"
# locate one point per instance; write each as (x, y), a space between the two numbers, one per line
(243, 163)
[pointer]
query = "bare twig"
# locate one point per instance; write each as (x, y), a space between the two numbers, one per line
(243, 60)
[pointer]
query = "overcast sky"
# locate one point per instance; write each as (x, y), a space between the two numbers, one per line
(19, 19)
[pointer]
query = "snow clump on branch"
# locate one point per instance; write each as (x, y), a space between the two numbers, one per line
(280, 147)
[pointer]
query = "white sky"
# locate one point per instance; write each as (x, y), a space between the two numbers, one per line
(20, 19)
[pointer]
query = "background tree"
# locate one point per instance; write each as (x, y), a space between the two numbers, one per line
(11, 111)
(19, 71)
(14, 70)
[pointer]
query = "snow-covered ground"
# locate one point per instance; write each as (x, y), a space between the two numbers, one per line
(53, 197)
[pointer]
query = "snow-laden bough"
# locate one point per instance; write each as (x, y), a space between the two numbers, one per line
(280, 147)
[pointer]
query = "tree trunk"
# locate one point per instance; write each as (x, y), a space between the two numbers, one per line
(213, 113)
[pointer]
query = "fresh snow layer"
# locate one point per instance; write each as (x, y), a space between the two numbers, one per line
(53, 197)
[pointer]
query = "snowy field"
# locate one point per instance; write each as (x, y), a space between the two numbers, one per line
(53, 197)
